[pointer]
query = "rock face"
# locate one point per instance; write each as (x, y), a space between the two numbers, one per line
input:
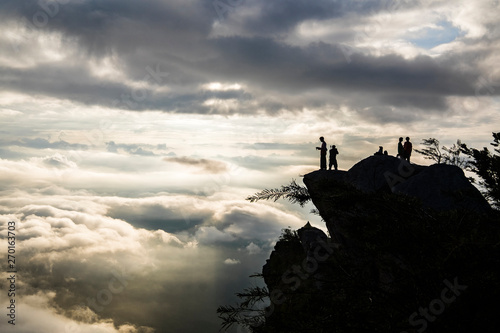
(439, 186)
(310, 248)
(295, 275)
(378, 173)
(399, 234)
(443, 187)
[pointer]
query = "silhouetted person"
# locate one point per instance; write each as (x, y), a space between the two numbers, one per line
(401, 150)
(380, 151)
(322, 153)
(333, 157)
(408, 148)
(386, 153)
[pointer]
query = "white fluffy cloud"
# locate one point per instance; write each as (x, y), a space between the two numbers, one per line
(230, 261)
(253, 248)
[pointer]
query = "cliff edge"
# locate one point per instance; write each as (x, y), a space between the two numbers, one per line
(438, 187)
(410, 249)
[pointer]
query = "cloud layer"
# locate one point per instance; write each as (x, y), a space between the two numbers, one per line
(90, 270)
(272, 50)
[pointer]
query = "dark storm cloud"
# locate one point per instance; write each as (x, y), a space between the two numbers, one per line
(283, 67)
(280, 16)
(62, 81)
(143, 35)
(78, 85)
(174, 38)
(421, 82)
(103, 26)
(423, 102)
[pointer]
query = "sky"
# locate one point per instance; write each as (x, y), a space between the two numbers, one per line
(133, 131)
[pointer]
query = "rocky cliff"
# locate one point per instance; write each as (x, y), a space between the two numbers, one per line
(439, 187)
(411, 249)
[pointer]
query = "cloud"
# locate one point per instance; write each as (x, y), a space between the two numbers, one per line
(85, 266)
(58, 161)
(252, 248)
(91, 268)
(136, 149)
(210, 166)
(421, 77)
(273, 146)
(39, 315)
(209, 235)
(230, 261)
(174, 215)
(269, 55)
(282, 17)
(40, 143)
(244, 222)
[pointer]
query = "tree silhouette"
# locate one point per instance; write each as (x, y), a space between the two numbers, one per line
(247, 313)
(447, 156)
(486, 165)
(431, 150)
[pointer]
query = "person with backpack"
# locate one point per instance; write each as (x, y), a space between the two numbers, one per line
(333, 157)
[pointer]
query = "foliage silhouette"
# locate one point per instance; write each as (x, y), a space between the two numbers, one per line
(449, 156)
(247, 313)
(431, 150)
(486, 165)
(292, 192)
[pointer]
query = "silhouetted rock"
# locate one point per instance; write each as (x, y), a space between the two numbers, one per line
(439, 186)
(309, 236)
(401, 235)
(444, 187)
(375, 173)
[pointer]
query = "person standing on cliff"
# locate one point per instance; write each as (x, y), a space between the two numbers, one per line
(333, 157)
(408, 148)
(401, 150)
(323, 151)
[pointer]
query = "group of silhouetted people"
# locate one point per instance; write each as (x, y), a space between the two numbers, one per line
(404, 152)
(333, 155)
(381, 151)
(404, 149)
